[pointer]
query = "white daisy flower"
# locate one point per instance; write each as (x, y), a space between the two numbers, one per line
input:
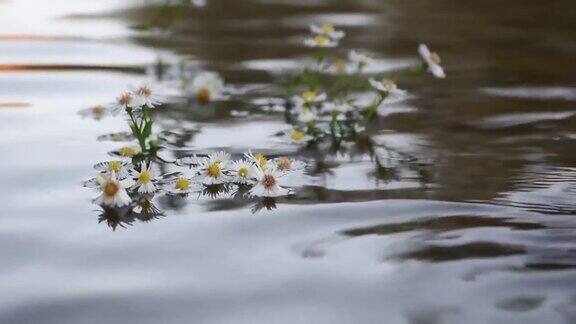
(328, 30)
(387, 86)
(120, 168)
(312, 97)
(145, 178)
(212, 168)
(268, 184)
(320, 41)
(296, 136)
(359, 59)
(97, 112)
(432, 61)
(181, 186)
(306, 116)
(144, 96)
(123, 101)
(258, 159)
(127, 151)
(243, 171)
(206, 87)
(341, 107)
(113, 192)
(286, 164)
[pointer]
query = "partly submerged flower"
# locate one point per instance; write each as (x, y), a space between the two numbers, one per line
(145, 96)
(181, 185)
(113, 192)
(212, 168)
(328, 30)
(320, 41)
(145, 178)
(127, 151)
(259, 159)
(296, 136)
(97, 112)
(286, 164)
(268, 184)
(243, 171)
(120, 168)
(432, 60)
(387, 87)
(312, 97)
(207, 86)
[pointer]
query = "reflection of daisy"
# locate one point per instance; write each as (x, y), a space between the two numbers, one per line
(145, 178)
(320, 41)
(113, 192)
(267, 184)
(432, 61)
(120, 168)
(144, 96)
(286, 164)
(296, 136)
(243, 171)
(328, 30)
(97, 112)
(387, 86)
(207, 86)
(212, 168)
(117, 137)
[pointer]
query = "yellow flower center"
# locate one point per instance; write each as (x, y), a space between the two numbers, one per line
(182, 184)
(214, 170)
(145, 91)
(127, 151)
(389, 84)
(435, 58)
(328, 28)
(269, 181)
(261, 160)
(340, 65)
(125, 99)
(243, 172)
(98, 110)
(145, 176)
(111, 189)
(321, 40)
(203, 95)
(297, 135)
(114, 166)
(309, 96)
(117, 137)
(284, 164)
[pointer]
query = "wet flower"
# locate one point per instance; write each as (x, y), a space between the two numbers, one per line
(120, 168)
(312, 97)
(268, 184)
(145, 178)
(286, 164)
(207, 86)
(387, 87)
(320, 41)
(212, 168)
(296, 136)
(181, 185)
(97, 112)
(327, 30)
(128, 151)
(123, 101)
(243, 171)
(432, 60)
(113, 192)
(144, 96)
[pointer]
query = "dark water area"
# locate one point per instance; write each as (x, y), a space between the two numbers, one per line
(472, 219)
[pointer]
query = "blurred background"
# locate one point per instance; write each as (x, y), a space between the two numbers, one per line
(472, 220)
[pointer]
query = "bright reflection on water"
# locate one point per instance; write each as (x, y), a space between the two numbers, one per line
(470, 220)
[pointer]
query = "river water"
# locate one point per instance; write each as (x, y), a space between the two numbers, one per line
(478, 227)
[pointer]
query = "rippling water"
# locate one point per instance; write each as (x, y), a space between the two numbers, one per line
(471, 221)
